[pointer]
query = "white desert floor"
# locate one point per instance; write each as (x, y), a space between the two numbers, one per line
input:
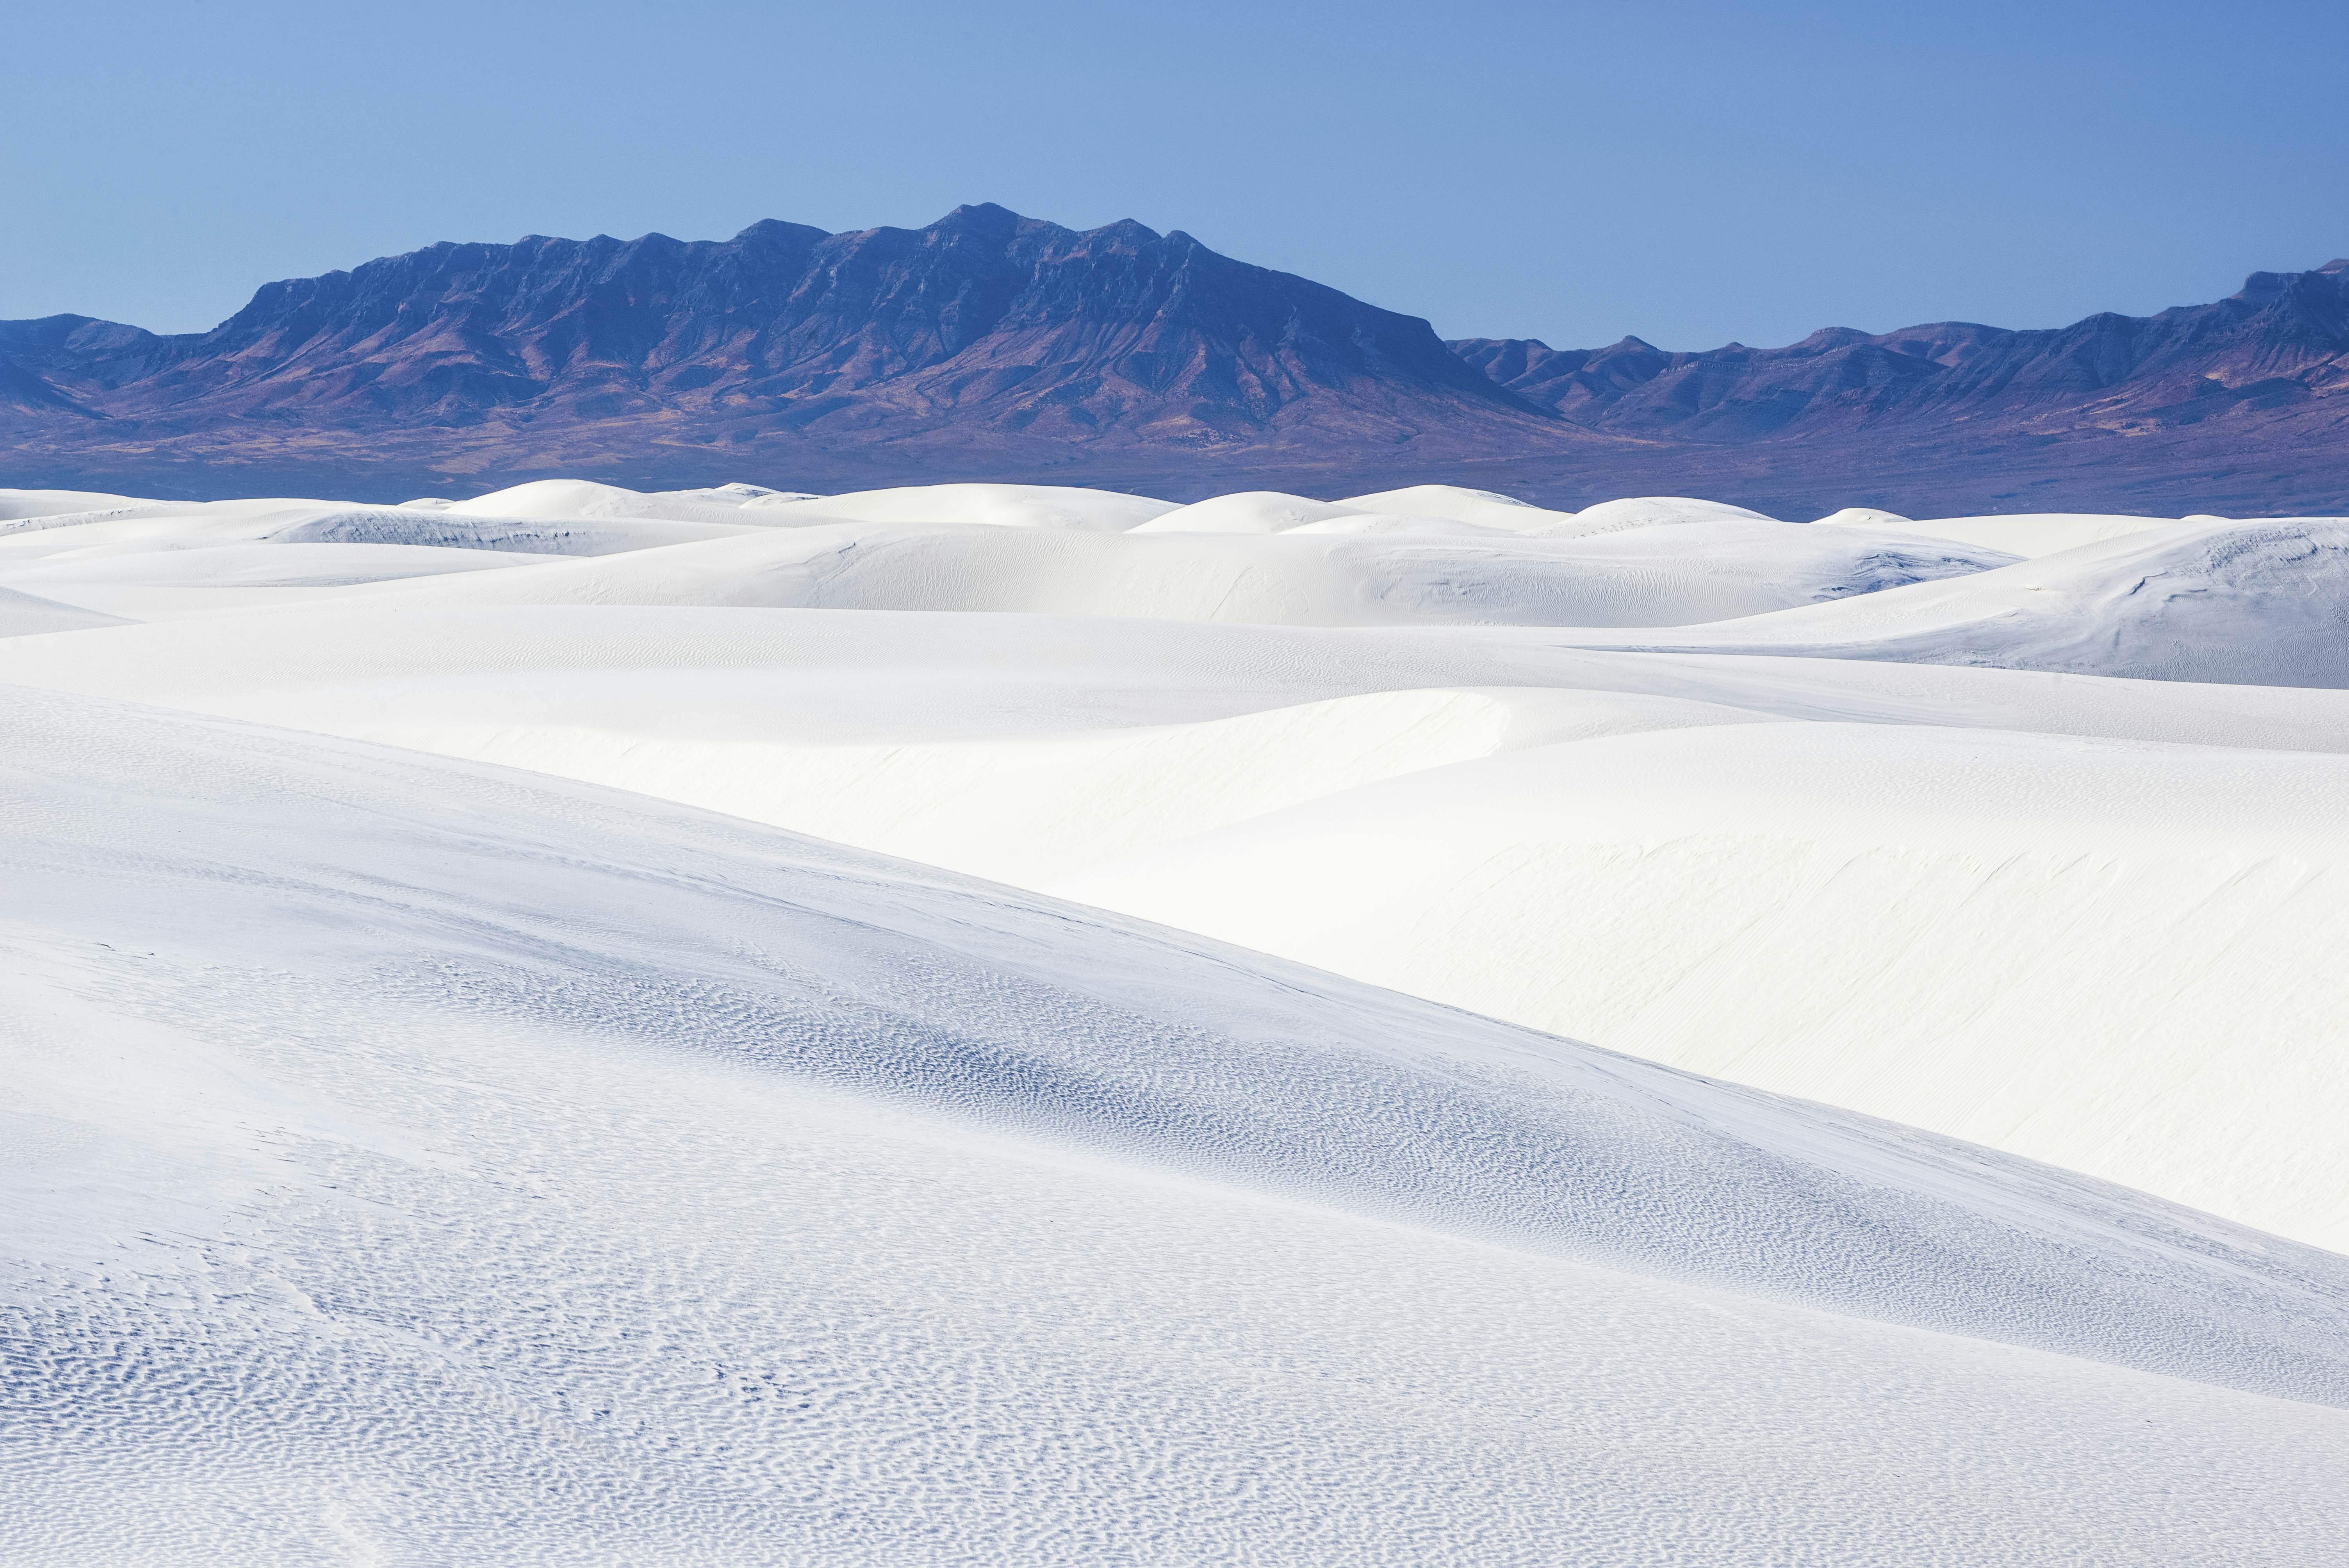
(451, 1158)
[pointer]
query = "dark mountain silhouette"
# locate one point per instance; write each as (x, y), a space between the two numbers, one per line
(986, 340)
(993, 346)
(2284, 340)
(2236, 403)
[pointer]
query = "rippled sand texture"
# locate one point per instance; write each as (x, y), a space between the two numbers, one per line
(420, 1158)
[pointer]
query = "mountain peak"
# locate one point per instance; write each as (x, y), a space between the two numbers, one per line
(978, 217)
(776, 229)
(984, 321)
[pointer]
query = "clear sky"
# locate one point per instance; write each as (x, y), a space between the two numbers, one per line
(1692, 172)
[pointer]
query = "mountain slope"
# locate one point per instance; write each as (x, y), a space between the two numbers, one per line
(1008, 348)
(2189, 398)
(985, 325)
(2281, 340)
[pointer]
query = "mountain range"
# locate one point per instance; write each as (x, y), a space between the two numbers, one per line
(991, 346)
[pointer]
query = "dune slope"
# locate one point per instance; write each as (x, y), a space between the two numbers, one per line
(416, 1148)
(420, 1158)
(2242, 603)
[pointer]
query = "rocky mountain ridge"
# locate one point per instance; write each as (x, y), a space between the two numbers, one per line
(983, 315)
(2282, 340)
(992, 345)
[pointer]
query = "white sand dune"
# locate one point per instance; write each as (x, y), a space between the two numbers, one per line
(998, 506)
(1245, 511)
(403, 1149)
(2117, 957)
(2028, 534)
(199, 525)
(1646, 511)
(18, 505)
(1875, 517)
(26, 614)
(1482, 506)
(409, 1156)
(1102, 758)
(2248, 603)
(572, 499)
(1697, 573)
(1367, 523)
(165, 584)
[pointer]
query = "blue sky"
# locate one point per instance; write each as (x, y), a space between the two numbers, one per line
(1691, 174)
